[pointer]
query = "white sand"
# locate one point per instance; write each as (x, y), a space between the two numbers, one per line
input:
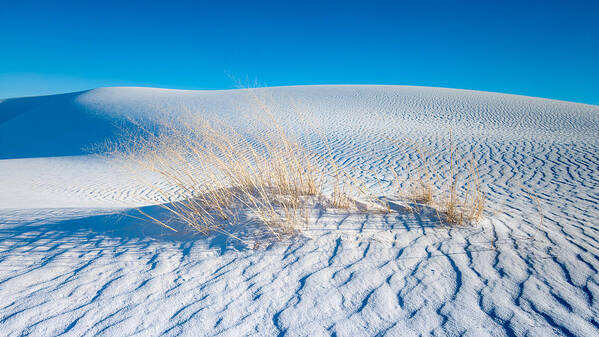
(70, 264)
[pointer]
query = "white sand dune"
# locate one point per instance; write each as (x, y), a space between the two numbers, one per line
(72, 264)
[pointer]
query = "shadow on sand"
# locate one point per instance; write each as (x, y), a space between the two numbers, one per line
(126, 226)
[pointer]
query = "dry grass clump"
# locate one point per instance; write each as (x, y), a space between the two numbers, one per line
(214, 177)
(458, 199)
(340, 197)
(213, 172)
(465, 208)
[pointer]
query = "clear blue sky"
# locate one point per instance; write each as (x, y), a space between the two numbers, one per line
(538, 48)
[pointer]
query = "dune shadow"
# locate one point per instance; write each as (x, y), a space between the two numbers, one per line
(51, 126)
(420, 215)
(123, 226)
(134, 225)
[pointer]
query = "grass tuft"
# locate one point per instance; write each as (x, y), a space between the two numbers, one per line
(459, 200)
(214, 177)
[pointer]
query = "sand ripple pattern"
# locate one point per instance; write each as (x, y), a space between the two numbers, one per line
(88, 271)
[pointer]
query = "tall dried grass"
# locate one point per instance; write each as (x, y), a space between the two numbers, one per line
(458, 198)
(213, 172)
(213, 175)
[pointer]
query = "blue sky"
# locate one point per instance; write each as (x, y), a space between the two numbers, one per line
(537, 48)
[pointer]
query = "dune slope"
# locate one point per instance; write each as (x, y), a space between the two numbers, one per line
(71, 263)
